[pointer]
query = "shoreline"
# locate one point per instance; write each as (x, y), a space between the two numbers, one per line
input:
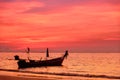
(48, 76)
(9, 75)
(18, 75)
(6, 77)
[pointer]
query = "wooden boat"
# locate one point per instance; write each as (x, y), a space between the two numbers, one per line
(39, 63)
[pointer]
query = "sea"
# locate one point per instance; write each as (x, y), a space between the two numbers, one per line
(77, 66)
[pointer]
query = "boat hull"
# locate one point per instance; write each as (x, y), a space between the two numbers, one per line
(40, 63)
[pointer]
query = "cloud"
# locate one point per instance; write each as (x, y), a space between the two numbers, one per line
(50, 6)
(75, 24)
(115, 36)
(114, 2)
(62, 5)
(54, 5)
(10, 1)
(7, 0)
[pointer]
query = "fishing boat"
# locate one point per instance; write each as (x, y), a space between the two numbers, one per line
(22, 63)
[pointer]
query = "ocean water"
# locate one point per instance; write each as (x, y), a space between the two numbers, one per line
(77, 66)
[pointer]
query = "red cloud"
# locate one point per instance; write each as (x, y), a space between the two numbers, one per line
(73, 24)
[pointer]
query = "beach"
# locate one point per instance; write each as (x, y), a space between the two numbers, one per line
(16, 75)
(5, 75)
(12, 75)
(9, 75)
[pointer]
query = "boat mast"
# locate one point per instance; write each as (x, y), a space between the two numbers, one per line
(47, 53)
(28, 51)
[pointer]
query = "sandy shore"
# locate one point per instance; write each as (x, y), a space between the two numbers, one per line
(6, 75)
(16, 75)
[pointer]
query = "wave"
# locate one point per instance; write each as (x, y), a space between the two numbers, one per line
(66, 74)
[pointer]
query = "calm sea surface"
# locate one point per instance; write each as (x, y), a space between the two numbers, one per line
(77, 66)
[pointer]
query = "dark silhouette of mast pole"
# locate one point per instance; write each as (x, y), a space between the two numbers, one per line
(47, 53)
(28, 51)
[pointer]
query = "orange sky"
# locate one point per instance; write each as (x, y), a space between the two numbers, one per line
(76, 25)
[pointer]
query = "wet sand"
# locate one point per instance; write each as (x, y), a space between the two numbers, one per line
(5, 75)
(16, 75)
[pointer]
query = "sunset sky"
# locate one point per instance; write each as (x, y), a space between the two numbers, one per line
(76, 25)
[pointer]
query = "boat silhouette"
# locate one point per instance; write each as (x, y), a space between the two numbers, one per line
(22, 63)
